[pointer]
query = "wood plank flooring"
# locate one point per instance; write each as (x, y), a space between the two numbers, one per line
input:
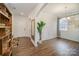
(52, 47)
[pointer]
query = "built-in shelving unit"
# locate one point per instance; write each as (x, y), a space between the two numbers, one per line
(5, 30)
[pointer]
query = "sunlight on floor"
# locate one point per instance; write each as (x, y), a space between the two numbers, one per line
(62, 47)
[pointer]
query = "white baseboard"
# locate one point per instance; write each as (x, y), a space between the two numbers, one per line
(70, 39)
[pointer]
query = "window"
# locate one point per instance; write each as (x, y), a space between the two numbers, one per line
(63, 24)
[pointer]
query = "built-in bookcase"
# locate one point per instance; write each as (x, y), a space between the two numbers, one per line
(5, 30)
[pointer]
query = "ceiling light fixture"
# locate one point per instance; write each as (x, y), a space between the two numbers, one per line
(68, 18)
(66, 13)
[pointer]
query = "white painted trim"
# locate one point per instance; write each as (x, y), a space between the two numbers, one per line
(35, 44)
(20, 36)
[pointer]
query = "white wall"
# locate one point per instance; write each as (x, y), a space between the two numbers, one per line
(50, 29)
(73, 29)
(71, 35)
(20, 26)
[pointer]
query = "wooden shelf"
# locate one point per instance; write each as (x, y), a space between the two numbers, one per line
(5, 30)
(8, 40)
(4, 15)
(5, 35)
(10, 53)
(7, 51)
(4, 27)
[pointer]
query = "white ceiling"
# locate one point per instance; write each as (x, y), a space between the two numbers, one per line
(21, 9)
(62, 9)
(57, 9)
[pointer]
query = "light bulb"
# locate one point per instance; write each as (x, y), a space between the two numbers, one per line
(68, 17)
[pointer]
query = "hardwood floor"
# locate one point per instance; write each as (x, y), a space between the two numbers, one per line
(52, 47)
